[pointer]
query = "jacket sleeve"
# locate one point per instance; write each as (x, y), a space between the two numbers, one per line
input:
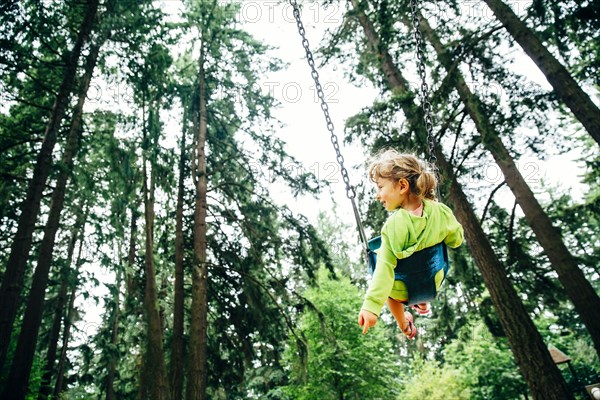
(455, 232)
(383, 278)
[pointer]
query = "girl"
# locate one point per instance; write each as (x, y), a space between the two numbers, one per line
(406, 187)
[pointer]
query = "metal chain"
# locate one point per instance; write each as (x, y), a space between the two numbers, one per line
(350, 191)
(424, 89)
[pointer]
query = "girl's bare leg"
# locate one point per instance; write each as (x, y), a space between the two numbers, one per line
(397, 310)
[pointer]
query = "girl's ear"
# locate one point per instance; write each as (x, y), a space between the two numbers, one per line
(403, 185)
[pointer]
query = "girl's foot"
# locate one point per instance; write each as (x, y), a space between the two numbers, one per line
(421, 308)
(410, 330)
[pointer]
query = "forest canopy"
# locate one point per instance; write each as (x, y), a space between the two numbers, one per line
(162, 237)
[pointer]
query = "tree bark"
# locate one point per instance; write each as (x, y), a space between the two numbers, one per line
(567, 89)
(197, 368)
(543, 377)
(577, 287)
(27, 342)
(130, 286)
(59, 311)
(177, 344)
(62, 360)
(112, 364)
(154, 370)
(45, 388)
(12, 281)
(533, 358)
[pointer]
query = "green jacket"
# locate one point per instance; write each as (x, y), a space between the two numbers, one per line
(404, 233)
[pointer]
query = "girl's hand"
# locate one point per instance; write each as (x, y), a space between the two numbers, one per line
(367, 320)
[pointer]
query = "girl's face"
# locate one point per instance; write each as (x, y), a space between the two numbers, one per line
(391, 193)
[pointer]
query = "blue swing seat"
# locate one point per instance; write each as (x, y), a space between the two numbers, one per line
(417, 271)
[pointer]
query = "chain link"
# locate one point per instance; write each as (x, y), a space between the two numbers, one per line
(424, 89)
(350, 192)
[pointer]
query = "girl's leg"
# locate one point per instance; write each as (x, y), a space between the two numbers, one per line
(397, 310)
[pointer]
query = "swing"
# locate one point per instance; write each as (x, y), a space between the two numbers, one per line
(418, 271)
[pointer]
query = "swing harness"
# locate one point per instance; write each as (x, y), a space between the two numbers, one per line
(417, 271)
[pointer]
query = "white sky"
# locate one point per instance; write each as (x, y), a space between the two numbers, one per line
(306, 132)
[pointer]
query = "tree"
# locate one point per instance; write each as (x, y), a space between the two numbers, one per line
(241, 237)
(434, 381)
(154, 376)
(154, 371)
(578, 288)
(197, 371)
(13, 278)
(177, 343)
(568, 90)
(526, 343)
(492, 372)
(341, 363)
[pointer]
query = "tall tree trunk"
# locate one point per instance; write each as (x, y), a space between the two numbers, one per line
(543, 377)
(197, 368)
(26, 345)
(130, 287)
(567, 89)
(531, 354)
(12, 282)
(45, 388)
(154, 370)
(62, 360)
(177, 344)
(112, 364)
(59, 310)
(577, 287)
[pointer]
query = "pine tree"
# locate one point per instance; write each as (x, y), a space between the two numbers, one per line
(13, 279)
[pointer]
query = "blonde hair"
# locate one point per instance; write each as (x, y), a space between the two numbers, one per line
(390, 164)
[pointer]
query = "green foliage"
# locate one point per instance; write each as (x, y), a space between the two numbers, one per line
(432, 381)
(573, 28)
(35, 378)
(341, 362)
(487, 365)
(278, 327)
(572, 340)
